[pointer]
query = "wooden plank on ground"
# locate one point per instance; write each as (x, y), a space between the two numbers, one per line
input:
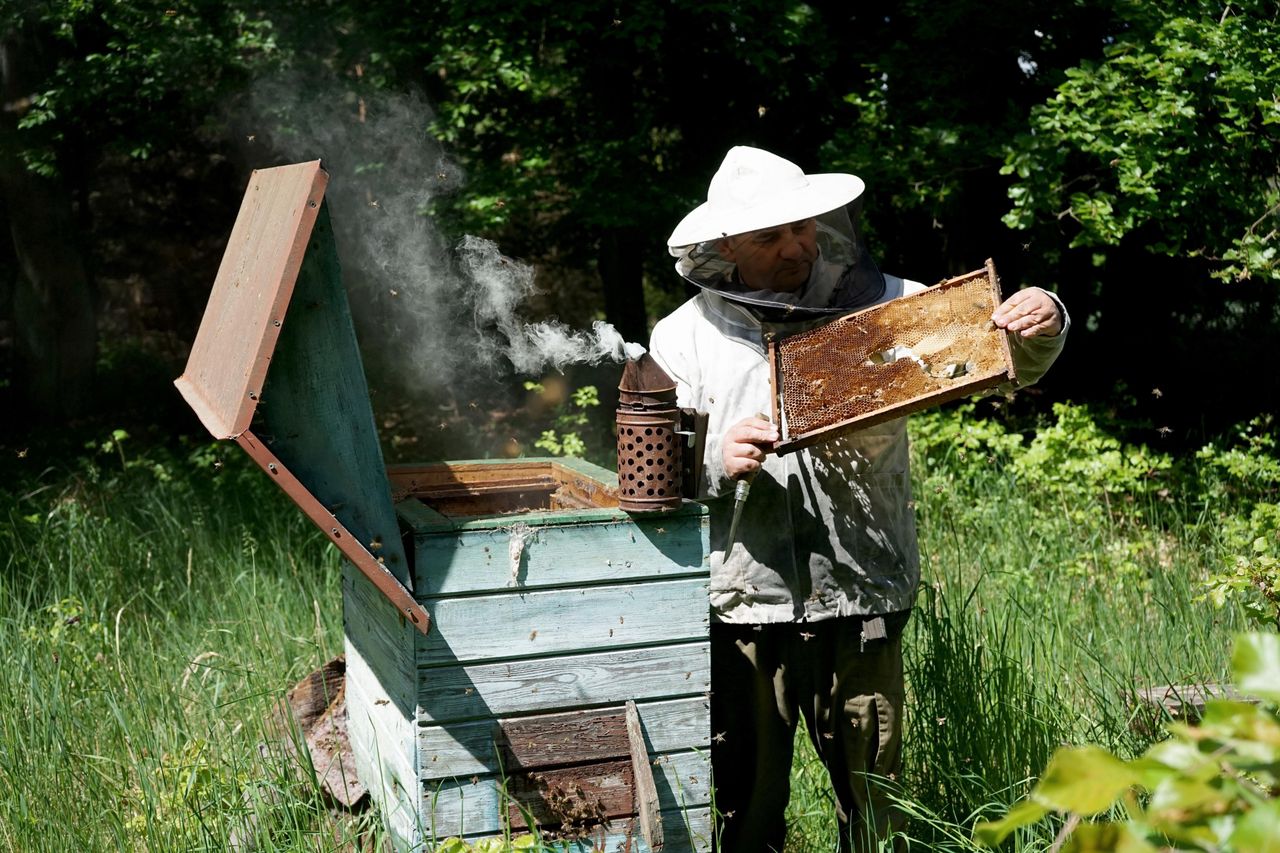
(1184, 703)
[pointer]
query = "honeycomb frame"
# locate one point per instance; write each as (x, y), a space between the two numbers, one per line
(899, 357)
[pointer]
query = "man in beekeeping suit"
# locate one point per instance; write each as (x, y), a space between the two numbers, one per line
(809, 605)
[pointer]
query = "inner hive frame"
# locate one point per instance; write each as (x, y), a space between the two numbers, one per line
(896, 358)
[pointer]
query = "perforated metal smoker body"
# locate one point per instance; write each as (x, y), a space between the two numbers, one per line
(900, 357)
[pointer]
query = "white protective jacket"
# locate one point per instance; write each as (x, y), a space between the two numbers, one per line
(827, 531)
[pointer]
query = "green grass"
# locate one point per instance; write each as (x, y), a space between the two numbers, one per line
(147, 624)
(153, 607)
(1043, 606)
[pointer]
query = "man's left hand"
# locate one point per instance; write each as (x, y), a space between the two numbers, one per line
(1030, 312)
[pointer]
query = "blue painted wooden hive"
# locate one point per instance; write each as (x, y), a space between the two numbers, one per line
(519, 650)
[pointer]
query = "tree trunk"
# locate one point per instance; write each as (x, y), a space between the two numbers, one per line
(622, 273)
(54, 310)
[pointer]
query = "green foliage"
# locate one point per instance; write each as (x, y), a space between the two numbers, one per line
(121, 72)
(489, 845)
(188, 781)
(1210, 786)
(1245, 473)
(570, 419)
(1074, 462)
(73, 639)
(1176, 131)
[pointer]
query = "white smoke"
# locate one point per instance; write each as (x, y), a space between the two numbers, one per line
(432, 311)
(500, 285)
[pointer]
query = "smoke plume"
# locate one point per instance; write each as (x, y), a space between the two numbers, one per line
(435, 306)
(501, 286)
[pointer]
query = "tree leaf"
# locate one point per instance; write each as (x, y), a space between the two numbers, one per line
(1256, 665)
(1083, 779)
(1259, 830)
(1117, 837)
(1025, 813)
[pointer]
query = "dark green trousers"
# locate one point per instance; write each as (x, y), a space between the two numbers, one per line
(850, 693)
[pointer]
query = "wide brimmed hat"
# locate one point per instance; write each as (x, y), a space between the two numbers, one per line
(754, 189)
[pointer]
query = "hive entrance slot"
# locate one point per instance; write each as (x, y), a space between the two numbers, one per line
(573, 774)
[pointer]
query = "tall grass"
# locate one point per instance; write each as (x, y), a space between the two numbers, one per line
(154, 606)
(151, 611)
(1048, 598)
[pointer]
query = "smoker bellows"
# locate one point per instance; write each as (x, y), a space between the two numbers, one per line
(518, 647)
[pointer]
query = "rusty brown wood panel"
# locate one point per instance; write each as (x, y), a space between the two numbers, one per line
(530, 743)
(575, 481)
(573, 798)
(571, 479)
(246, 309)
(415, 478)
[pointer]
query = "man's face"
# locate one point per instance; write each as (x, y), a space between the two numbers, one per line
(778, 258)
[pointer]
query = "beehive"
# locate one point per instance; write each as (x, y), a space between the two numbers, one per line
(518, 648)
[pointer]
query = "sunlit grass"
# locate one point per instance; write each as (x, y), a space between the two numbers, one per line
(152, 608)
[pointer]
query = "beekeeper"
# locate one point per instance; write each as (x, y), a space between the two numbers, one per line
(809, 607)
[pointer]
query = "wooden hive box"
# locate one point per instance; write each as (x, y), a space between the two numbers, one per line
(518, 649)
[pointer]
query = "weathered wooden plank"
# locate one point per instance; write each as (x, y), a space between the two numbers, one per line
(467, 749)
(578, 516)
(385, 642)
(646, 792)
(548, 740)
(476, 691)
(229, 358)
(415, 478)
(475, 806)
(416, 515)
(561, 621)
(475, 561)
(589, 483)
(687, 832)
(572, 797)
(378, 734)
(569, 491)
(412, 478)
(502, 504)
(1152, 707)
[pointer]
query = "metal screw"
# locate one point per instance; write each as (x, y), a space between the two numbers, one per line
(271, 466)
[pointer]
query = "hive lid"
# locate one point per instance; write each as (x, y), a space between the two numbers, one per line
(276, 367)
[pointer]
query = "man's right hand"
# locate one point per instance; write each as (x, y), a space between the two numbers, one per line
(745, 444)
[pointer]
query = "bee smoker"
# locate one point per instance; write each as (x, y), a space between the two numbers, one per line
(659, 444)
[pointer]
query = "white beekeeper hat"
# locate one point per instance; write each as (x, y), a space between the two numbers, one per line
(754, 189)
